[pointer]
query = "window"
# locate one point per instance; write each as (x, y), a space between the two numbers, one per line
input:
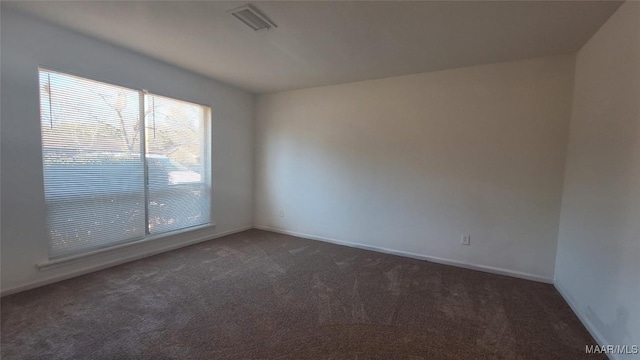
(120, 164)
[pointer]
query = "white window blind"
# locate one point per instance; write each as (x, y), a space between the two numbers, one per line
(178, 191)
(100, 190)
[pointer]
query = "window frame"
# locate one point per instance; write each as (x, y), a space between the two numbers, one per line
(206, 156)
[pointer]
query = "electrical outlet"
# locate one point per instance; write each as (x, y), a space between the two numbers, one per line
(466, 239)
(281, 213)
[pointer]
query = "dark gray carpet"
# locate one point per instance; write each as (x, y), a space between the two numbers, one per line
(263, 295)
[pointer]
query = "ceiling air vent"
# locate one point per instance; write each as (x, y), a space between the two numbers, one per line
(252, 18)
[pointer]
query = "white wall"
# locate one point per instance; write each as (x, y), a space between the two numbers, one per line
(27, 44)
(598, 260)
(410, 163)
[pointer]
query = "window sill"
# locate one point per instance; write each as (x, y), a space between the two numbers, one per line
(52, 264)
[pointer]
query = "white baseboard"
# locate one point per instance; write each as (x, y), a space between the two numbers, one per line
(484, 268)
(123, 260)
(597, 336)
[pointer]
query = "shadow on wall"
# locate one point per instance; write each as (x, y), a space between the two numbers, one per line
(618, 329)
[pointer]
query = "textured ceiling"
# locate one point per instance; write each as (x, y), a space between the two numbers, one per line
(323, 43)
